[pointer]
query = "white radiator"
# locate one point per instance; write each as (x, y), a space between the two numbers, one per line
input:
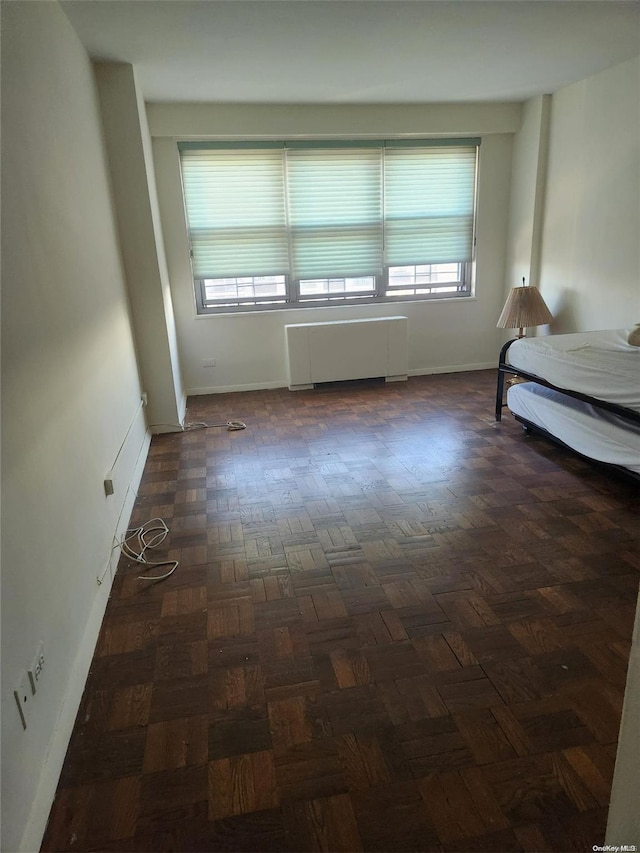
(346, 349)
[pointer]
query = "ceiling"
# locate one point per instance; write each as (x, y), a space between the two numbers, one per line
(357, 51)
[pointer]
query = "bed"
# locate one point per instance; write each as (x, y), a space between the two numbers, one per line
(582, 390)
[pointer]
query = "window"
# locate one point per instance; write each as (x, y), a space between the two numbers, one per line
(277, 225)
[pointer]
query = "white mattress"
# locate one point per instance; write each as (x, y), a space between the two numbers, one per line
(600, 364)
(594, 433)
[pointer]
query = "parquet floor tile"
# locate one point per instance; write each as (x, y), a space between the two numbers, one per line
(396, 626)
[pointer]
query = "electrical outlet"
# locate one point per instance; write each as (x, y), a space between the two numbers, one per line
(24, 698)
(35, 670)
(145, 398)
(209, 362)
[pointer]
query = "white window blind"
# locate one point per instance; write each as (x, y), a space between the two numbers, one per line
(335, 212)
(328, 218)
(429, 198)
(235, 205)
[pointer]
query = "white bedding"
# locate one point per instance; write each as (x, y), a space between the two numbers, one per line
(593, 432)
(600, 364)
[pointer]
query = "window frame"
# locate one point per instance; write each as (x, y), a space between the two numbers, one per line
(379, 294)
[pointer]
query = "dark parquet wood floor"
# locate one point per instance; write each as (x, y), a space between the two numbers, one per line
(396, 625)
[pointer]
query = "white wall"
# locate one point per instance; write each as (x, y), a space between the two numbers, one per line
(70, 391)
(131, 167)
(590, 252)
(249, 349)
(527, 193)
(331, 121)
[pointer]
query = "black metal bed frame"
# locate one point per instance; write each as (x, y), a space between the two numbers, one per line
(504, 368)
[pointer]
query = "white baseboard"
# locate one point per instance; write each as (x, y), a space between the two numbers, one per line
(264, 386)
(128, 504)
(163, 429)
(52, 766)
(226, 389)
(454, 368)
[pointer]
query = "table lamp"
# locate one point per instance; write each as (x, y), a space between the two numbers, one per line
(524, 307)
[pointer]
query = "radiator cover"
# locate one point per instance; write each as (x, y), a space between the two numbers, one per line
(346, 349)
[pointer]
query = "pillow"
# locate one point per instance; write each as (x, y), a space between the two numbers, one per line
(634, 336)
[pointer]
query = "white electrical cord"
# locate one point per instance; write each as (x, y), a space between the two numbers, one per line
(141, 536)
(230, 425)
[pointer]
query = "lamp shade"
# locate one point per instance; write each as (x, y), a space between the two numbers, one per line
(524, 307)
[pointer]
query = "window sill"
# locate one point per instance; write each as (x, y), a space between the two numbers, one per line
(387, 303)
